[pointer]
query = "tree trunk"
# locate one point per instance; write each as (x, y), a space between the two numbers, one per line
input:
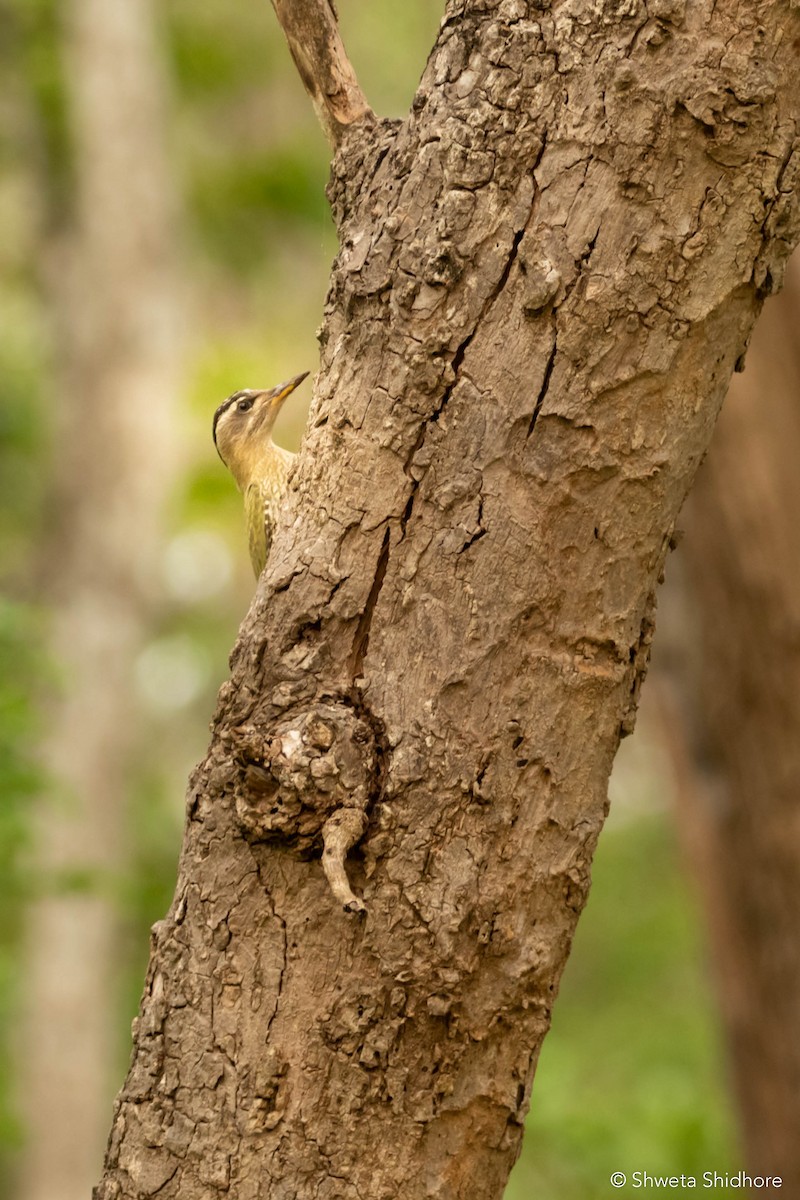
(734, 675)
(111, 293)
(546, 276)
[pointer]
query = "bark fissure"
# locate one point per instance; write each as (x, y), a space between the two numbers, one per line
(458, 359)
(480, 532)
(361, 638)
(548, 374)
(777, 222)
(284, 958)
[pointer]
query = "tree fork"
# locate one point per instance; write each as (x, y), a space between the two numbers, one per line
(546, 275)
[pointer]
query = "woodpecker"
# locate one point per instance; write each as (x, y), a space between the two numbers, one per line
(242, 432)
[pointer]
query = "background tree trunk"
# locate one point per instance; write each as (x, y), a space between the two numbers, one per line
(546, 276)
(731, 663)
(108, 271)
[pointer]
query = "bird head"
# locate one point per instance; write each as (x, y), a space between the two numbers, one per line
(243, 424)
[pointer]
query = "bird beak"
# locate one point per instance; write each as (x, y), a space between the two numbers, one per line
(276, 396)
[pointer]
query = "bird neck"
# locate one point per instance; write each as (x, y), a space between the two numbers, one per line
(248, 464)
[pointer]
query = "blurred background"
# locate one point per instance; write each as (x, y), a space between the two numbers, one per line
(165, 241)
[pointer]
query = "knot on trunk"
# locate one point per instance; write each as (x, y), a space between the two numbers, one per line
(308, 782)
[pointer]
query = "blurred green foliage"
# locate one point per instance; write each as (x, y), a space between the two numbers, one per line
(630, 1075)
(36, 131)
(20, 780)
(21, 446)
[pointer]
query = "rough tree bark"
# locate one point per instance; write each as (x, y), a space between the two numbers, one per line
(732, 684)
(107, 266)
(547, 274)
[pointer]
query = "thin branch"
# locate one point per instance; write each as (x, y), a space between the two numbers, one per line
(311, 29)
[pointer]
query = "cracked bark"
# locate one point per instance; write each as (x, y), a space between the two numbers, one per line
(547, 273)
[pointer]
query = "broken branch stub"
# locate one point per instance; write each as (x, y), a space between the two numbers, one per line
(311, 29)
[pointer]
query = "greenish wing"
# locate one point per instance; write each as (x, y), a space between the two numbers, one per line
(259, 536)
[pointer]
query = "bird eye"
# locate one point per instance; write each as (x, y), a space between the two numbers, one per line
(244, 405)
